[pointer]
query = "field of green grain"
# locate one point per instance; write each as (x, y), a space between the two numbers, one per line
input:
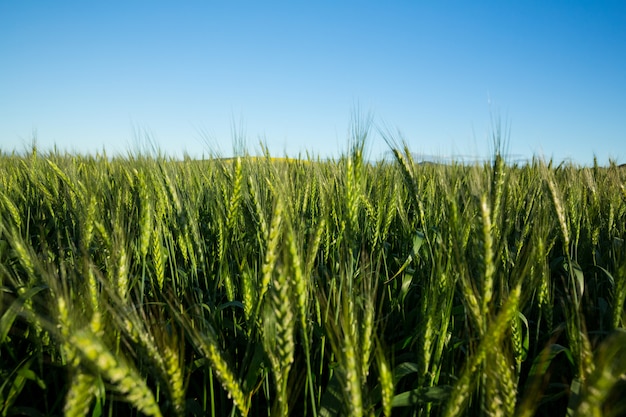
(260, 286)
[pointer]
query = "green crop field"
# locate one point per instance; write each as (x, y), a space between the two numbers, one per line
(261, 286)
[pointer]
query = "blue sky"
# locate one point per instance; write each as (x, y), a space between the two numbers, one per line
(91, 75)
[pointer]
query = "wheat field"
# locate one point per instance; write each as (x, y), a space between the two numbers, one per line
(259, 286)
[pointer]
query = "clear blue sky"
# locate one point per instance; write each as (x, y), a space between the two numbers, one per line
(91, 75)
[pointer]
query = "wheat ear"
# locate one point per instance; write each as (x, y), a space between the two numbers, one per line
(125, 378)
